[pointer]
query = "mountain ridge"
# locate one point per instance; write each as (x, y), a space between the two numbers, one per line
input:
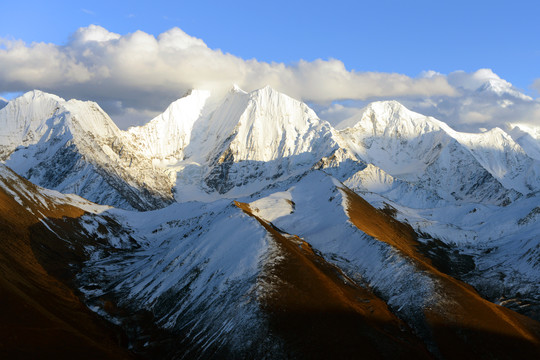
(251, 208)
(219, 141)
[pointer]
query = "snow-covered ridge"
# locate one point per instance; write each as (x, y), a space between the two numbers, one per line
(246, 141)
(414, 147)
(26, 119)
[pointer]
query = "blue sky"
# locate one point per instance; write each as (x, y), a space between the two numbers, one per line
(325, 52)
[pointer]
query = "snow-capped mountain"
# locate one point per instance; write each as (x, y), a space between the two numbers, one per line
(502, 88)
(247, 141)
(488, 167)
(264, 136)
(269, 250)
(74, 147)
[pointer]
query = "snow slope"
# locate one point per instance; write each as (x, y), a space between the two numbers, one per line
(313, 209)
(209, 275)
(196, 272)
(166, 136)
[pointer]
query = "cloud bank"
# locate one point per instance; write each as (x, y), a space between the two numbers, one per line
(134, 76)
(482, 100)
(142, 72)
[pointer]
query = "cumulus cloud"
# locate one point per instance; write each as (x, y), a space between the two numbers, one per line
(485, 100)
(139, 71)
(135, 76)
(472, 81)
(338, 112)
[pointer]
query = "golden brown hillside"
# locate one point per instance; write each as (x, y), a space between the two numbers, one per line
(42, 318)
(464, 325)
(322, 314)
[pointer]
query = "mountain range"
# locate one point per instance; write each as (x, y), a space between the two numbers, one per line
(248, 227)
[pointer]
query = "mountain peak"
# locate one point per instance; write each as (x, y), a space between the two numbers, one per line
(501, 87)
(527, 137)
(35, 94)
(388, 106)
(23, 119)
(267, 91)
(382, 113)
(167, 134)
(236, 89)
(268, 124)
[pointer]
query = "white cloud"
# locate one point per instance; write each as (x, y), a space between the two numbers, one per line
(336, 113)
(92, 33)
(143, 72)
(137, 75)
(485, 100)
(472, 81)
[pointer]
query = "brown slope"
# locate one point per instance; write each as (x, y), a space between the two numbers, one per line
(41, 317)
(465, 325)
(321, 314)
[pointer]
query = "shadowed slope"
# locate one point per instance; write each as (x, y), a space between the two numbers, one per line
(320, 313)
(463, 323)
(41, 316)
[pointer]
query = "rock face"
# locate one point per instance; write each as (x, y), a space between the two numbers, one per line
(273, 234)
